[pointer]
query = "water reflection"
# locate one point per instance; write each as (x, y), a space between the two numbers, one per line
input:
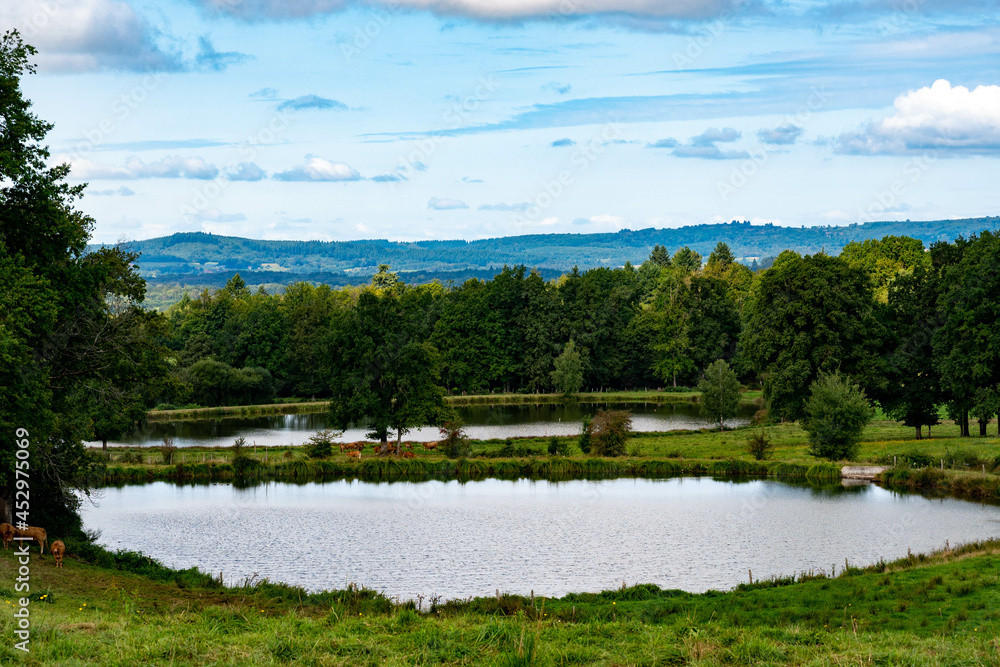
(457, 539)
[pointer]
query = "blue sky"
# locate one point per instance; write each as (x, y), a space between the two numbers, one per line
(415, 119)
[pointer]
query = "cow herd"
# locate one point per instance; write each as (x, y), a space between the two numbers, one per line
(354, 449)
(9, 532)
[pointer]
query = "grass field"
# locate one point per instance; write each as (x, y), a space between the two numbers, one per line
(936, 610)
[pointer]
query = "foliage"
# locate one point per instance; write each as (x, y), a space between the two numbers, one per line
(835, 415)
(454, 441)
(167, 450)
(567, 378)
(611, 430)
(320, 444)
(586, 432)
(720, 393)
(243, 464)
(759, 445)
(806, 316)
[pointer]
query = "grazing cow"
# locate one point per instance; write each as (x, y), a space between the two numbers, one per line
(354, 455)
(409, 455)
(409, 446)
(430, 445)
(376, 447)
(7, 533)
(37, 534)
(58, 549)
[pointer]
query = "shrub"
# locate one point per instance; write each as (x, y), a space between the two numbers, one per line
(558, 447)
(586, 434)
(130, 456)
(242, 463)
(320, 445)
(568, 374)
(454, 440)
(611, 430)
(167, 450)
(508, 448)
(836, 414)
(165, 406)
(759, 445)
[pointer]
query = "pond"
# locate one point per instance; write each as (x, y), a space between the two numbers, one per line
(481, 423)
(459, 539)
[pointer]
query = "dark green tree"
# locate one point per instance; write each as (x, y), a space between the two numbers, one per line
(659, 256)
(687, 260)
(808, 315)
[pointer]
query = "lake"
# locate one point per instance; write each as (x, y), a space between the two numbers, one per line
(457, 539)
(481, 423)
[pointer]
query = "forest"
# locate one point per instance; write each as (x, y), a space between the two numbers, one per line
(915, 327)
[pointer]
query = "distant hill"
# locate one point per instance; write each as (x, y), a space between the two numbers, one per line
(199, 252)
(191, 261)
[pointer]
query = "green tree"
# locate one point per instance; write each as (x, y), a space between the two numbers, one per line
(383, 278)
(567, 377)
(687, 260)
(886, 259)
(985, 406)
(383, 373)
(660, 256)
(671, 343)
(72, 329)
(720, 259)
(804, 316)
(720, 393)
(836, 414)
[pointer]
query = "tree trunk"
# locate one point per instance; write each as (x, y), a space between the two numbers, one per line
(675, 380)
(385, 442)
(965, 423)
(982, 428)
(104, 446)
(399, 442)
(919, 435)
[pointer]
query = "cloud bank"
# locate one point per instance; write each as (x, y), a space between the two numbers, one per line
(318, 169)
(952, 120)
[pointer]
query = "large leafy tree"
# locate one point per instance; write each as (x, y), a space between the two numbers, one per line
(383, 372)
(73, 339)
(804, 316)
(967, 345)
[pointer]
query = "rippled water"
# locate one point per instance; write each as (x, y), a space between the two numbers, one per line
(482, 423)
(459, 539)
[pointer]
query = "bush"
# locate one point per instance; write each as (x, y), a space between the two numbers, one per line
(508, 448)
(167, 451)
(558, 447)
(454, 440)
(759, 445)
(586, 434)
(165, 406)
(611, 430)
(836, 414)
(320, 446)
(130, 456)
(242, 463)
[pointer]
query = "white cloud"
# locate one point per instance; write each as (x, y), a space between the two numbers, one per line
(941, 117)
(245, 171)
(253, 10)
(86, 35)
(215, 215)
(318, 169)
(444, 204)
(783, 135)
(172, 166)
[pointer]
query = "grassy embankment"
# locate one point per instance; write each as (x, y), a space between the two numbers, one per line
(966, 467)
(942, 609)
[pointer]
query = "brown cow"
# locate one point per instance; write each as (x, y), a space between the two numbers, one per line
(430, 445)
(37, 534)
(354, 455)
(58, 549)
(409, 455)
(7, 533)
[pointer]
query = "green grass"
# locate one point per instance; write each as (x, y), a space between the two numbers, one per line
(936, 610)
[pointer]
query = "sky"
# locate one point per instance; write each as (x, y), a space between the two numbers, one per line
(448, 119)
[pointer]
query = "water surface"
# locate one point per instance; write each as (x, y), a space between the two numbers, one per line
(460, 539)
(482, 423)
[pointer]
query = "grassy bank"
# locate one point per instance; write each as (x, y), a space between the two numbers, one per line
(965, 467)
(106, 609)
(291, 407)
